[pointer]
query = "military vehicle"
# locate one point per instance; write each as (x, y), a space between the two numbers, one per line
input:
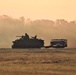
(26, 42)
(58, 43)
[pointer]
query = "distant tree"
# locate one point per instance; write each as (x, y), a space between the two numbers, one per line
(22, 18)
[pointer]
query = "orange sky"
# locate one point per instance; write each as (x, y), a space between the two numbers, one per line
(39, 9)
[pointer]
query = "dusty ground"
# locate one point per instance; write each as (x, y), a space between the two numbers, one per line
(38, 61)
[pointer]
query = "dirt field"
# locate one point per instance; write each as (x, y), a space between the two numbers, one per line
(38, 61)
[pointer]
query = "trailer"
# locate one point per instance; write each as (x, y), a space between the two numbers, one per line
(58, 43)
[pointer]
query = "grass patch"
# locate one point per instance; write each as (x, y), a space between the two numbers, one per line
(37, 62)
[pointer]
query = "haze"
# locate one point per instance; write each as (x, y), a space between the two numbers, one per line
(39, 9)
(48, 19)
(45, 29)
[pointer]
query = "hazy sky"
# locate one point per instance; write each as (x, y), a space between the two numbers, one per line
(39, 9)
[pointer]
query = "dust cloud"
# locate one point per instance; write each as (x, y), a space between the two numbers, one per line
(44, 29)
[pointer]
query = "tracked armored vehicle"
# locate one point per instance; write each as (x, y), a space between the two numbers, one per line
(27, 42)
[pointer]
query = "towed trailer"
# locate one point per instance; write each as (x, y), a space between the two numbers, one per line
(57, 43)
